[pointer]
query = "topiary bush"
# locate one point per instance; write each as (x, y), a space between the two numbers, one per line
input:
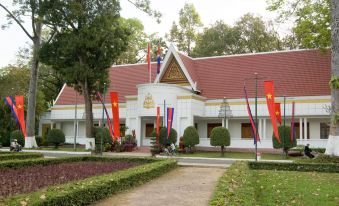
(220, 136)
(102, 132)
(285, 141)
(17, 134)
(155, 147)
(163, 140)
(191, 137)
(55, 137)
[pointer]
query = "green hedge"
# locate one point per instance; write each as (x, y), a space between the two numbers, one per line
(20, 155)
(91, 189)
(32, 162)
(304, 167)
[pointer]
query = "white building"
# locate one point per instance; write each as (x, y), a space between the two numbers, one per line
(195, 87)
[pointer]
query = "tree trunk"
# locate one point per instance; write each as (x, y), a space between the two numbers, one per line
(88, 110)
(222, 150)
(30, 120)
(332, 147)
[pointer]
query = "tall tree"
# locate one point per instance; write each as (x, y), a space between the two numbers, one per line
(312, 26)
(185, 34)
(332, 147)
(250, 34)
(90, 39)
(35, 10)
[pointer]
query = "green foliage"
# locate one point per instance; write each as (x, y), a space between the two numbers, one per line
(311, 20)
(155, 147)
(17, 134)
(249, 34)
(191, 137)
(285, 139)
(220, 136)
(185, 34)
(39, 141)
(300, 148)
(102, 133)
(334, 82)
(163, 140)
(55, 137)
(321, 158)
(89, 190)
(19, 156)
(304, 167)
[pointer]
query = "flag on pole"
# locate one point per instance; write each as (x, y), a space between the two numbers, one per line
(115, 112)
(292, 123)
(149, 61)
(158, 59)
(158, 122)
(11, 103)
(269, 93)
(170, 112)
(109, 124)
(256, 136)
(277, 112)
(19, 101)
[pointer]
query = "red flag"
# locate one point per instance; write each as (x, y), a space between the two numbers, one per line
(278, 112)
(149, 61)
(115, 113)
(269, 93)
(170, 112)
(158, 122)
(292, 122)
(19, 100)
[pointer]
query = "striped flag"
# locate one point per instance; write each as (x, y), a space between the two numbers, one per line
(109, 123)
(170, 113)
(149, 61)
(256, 136)
(158, 59)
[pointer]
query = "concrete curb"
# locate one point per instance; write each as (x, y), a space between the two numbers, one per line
(185, 164)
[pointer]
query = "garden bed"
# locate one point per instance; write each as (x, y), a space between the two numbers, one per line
(32, 178)
(242, 186)
(19, 155)
(84, 191)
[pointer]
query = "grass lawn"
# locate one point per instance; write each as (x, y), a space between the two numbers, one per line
(242, 186)
(238, 155)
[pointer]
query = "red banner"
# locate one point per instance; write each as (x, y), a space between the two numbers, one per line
(269, 93)
(20, 108)
(149, 61)
(115, 113)
(158, 122)
(170, 112)
(278, 112)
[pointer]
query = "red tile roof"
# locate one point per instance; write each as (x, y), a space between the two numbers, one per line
(295, 73)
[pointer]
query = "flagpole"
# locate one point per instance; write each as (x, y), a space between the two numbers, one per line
(256, 116)
(283, 141)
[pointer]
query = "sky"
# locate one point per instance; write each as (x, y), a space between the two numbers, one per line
(13, 38)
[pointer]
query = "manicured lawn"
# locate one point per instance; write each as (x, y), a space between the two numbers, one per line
(242, 186)
(237, 155)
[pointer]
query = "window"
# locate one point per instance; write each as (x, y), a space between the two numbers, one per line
(324, 130)
(246, 131)
(210, 127)
(149, 129)
(297, 130)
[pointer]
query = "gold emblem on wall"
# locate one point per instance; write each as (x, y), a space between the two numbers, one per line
(174, 74)
(148, 102)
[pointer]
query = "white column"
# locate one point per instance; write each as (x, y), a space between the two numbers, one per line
(222, 122)
(264, 129)
(305, 128)
(138, 131)
(227, 123)
(300, 128)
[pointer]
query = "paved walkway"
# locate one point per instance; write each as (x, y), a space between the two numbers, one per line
(185, 186)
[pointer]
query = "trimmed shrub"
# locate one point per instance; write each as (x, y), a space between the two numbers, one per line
(17, 134)
(191, 137)
(321, 158)
(39, 141)
(86, 191)
(102, 132)
(163, 140)
(304, 167)
(20, 155)
(55, 137)
(220, 136)
(285, 139)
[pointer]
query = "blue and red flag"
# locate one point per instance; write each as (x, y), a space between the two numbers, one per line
(11, 103)
(149, 61)
(109, 124)
(170, 113)
(292, 123)
(256, 136)
(158, 59)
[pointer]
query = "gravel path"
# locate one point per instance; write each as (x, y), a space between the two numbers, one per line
(183, 186)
